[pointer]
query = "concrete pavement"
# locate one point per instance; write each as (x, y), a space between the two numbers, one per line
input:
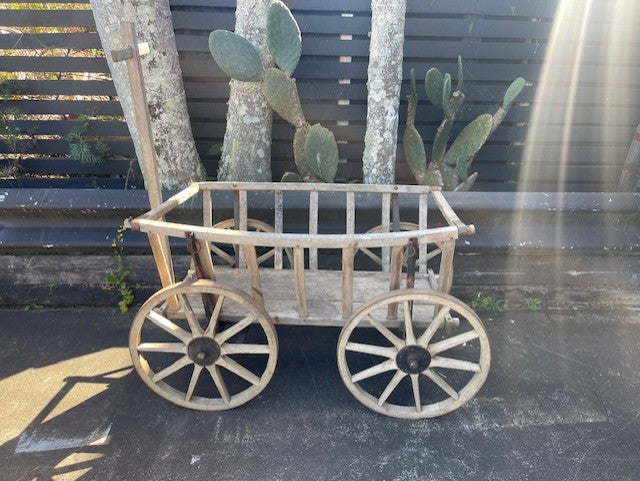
(561, 403)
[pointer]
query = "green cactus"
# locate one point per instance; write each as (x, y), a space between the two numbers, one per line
(512, 92)
(281, 94)
(283, 37)
(236, 56)
(321, 152)
(291, 177)
(449, 168)
(469, 141)
(315, 150)
(460, 74)
(433, 84)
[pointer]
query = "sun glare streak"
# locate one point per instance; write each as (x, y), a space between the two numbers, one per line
(583, 114)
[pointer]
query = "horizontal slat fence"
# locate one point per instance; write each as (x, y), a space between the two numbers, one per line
(498, 39)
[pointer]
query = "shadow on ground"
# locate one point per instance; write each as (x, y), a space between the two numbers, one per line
(560, 404)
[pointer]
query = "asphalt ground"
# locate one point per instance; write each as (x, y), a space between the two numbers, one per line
(561, 403)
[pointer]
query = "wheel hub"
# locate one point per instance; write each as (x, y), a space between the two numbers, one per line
(413, 359)
(203, 351)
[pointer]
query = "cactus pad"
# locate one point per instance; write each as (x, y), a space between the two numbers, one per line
(512, 92)
(236, 56)
(321, 152)
(470, 140)
(298, 155)
(467, 184)
(283, 37)
(433, 83)
(291, 177)
(281, 94)
(460, 74)
(414, 152)
(446, 93)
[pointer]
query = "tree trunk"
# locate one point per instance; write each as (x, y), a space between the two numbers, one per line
(246, 151)
(630, 175)
(383, 85)
(178, 160)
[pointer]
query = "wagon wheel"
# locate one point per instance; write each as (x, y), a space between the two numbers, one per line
(404, 226)
(257, 226)
(194, 362)
(410, 376)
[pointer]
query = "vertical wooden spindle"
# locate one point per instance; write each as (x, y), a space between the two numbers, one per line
(351, 212)
(385, 220)
(394, 278)
(313, 228)
(278, 221)
(254, 273)
(422, 224)
(301, 290)
(242, 217)
(347, 281)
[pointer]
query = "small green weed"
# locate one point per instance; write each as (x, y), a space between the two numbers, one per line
(83, 150)
(533, 303)
(488, 303)
(29, 307)
(120, 278)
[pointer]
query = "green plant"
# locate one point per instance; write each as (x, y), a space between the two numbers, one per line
(449, 168)
(16, 139)
(83, 150)
(533, 303)
(315, 150)
(488, 303)
(120, 278)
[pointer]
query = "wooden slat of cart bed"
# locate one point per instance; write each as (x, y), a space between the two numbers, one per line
(324, 294)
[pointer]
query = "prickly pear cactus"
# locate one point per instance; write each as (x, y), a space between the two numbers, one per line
(283, 37)
(236, 56)
(449, 168)
(315, 150)
(321, 152)
(281, 94)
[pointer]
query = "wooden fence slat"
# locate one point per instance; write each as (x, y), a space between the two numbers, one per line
(347, 281)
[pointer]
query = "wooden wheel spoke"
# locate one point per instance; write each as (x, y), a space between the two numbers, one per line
(229, 332)
(239, 370)
(454, 341)
(441, 383)
(374, 370)
(236, 348)
(228, 258)
(267, 255)
(395, 380)
(197, 369)
(219, 382)
(437, 322)
(168, 347)
(410, 337)
(192, 319)
(390, 336)
(448, 363)
(381, 351)
(415, 386)
(167, 371)
(168, 326)
(374, 257)
(213, 322)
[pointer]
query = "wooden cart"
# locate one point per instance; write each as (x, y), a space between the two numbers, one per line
(407, 348)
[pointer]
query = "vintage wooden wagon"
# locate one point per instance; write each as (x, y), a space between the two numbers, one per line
(407, 348)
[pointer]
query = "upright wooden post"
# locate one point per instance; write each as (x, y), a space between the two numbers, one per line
(130, 54)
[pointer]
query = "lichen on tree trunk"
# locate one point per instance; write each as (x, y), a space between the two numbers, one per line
(246, 151)
(383, 85)
(177, 157)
